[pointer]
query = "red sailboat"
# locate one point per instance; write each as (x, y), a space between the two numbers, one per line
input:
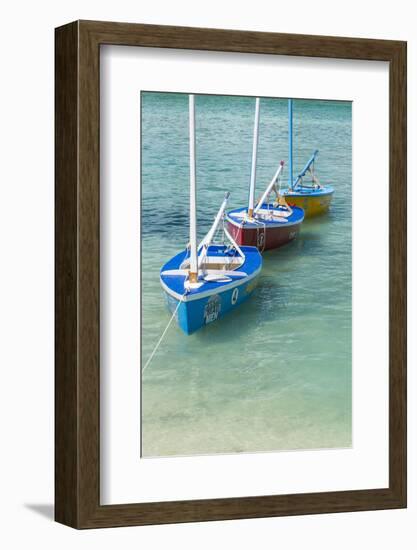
(267, 224)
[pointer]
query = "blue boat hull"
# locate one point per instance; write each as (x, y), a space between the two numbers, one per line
(194, 314)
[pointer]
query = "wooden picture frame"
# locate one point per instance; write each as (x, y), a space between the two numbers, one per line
(77, 382)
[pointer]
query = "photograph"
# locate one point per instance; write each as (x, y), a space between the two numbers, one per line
(246, 274)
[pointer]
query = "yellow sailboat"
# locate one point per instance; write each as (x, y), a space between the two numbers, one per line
(312, 196)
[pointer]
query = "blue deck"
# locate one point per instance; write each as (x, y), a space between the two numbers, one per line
(175, 283)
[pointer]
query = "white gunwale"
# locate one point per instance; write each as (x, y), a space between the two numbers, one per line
(219, 290)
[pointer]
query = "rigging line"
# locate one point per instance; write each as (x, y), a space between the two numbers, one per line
(163, 334)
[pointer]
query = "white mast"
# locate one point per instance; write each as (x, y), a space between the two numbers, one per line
(254, 157)
(193, 274)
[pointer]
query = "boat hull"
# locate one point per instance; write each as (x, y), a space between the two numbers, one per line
(211, 299)
(265, 235)
(263, 239)
(195, 314)
(313, 204)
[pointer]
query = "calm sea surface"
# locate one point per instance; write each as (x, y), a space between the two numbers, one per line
(276, 373)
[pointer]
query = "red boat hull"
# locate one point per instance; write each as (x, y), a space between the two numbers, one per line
(264, 238)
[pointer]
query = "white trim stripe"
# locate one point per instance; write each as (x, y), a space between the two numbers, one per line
(219, 290)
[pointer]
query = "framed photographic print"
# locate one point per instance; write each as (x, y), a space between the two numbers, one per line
(230, 274)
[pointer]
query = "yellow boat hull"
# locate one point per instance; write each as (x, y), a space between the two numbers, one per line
(312, 205)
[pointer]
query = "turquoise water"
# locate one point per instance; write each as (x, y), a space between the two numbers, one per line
(276, 373)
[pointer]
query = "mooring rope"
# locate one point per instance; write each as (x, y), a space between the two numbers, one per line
(163, 334)
(263, 225)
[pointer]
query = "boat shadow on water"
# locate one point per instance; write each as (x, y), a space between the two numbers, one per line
(268, 299)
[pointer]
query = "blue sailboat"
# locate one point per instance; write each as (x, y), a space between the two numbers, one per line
(313, 197)
(204, 282)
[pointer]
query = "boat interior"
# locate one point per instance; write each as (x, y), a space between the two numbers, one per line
(273, 213)
(217, 263)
